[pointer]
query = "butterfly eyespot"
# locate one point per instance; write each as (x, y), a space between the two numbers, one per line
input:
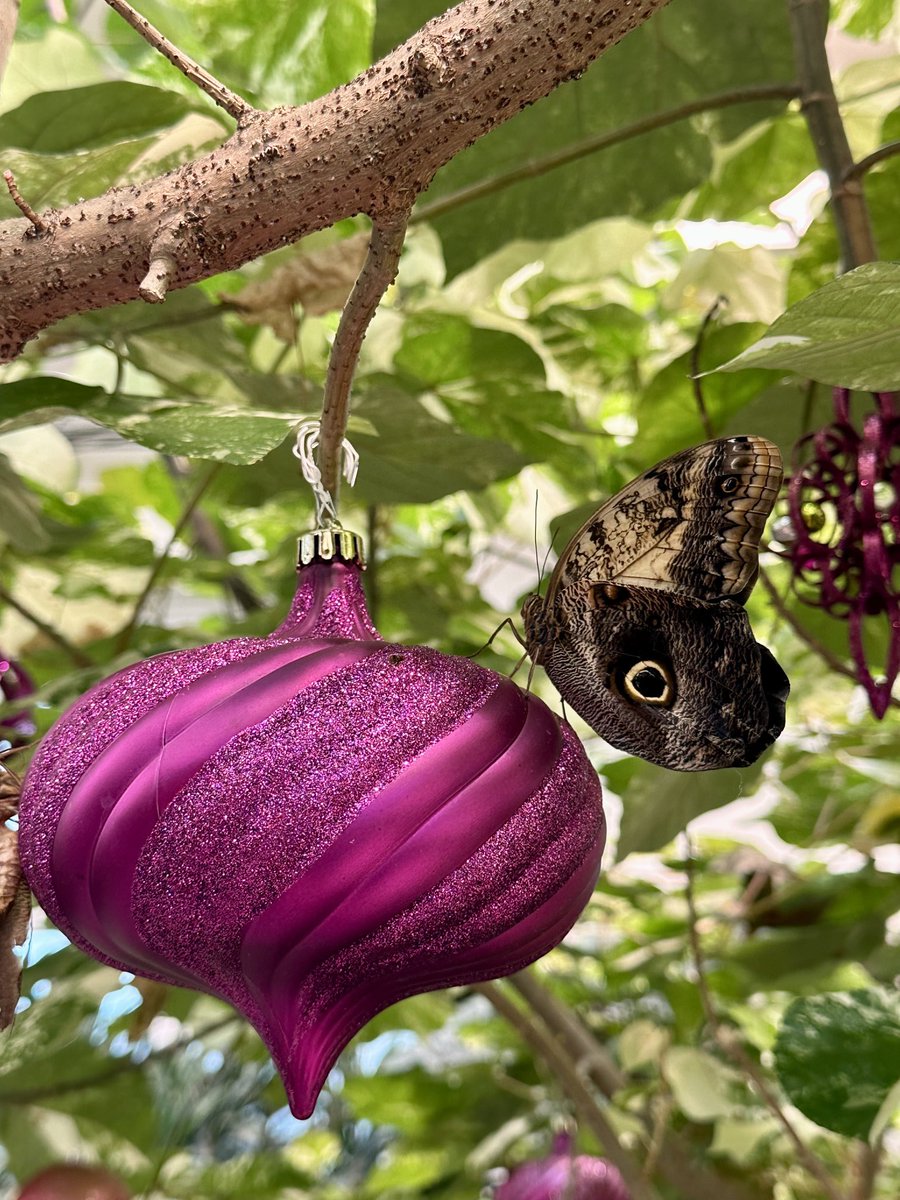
(649, 682)
(608, 593)
(728, 485)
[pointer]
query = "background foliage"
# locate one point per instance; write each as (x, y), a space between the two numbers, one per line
(539, 340)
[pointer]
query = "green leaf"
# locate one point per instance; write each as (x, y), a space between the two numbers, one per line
(846, 334)
(55, 180)
(195, 429)
(44, 398)
(702, 1087)
(87, 117)
(20, 515)
(204, 431)
(870, 17)
(658, 804)
(417, 458)
(668, 419)
(838, 1057)
(272, 53)
(700, 46)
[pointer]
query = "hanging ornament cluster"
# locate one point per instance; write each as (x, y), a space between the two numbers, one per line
(842, 536)
(312, 825)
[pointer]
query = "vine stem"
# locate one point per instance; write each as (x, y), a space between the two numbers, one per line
(589, 1112)
(591, 145)
(888, 150)
(730, 1044)
(809, 25)
(217, 92)
(123, 641)
(377, 274)
(696, 352)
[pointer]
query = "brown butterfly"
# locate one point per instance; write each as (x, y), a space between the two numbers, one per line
(643, 629)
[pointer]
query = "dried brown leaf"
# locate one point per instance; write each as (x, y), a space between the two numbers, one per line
(14, 922)
(319, 281)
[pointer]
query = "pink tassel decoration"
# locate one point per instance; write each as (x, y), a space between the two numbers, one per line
(312, 825)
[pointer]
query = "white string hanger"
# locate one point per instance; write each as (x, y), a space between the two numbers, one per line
(304, 451)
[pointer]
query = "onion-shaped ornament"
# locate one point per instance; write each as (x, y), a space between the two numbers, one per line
(312, 825)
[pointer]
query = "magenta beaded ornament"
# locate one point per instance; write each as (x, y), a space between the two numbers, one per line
(312, 825)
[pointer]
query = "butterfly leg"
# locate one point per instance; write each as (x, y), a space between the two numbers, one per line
(508, 621)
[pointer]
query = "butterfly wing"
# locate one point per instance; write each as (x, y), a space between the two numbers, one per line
(692, 524)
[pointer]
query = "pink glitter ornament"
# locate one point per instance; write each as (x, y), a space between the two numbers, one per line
(15, 684)
(312, 825)
(563, 1175)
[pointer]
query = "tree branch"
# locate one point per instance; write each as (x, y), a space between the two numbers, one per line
(218, 92)
(809, 24)
(371, 146)
(21, 204)
(673, 1159)
(378, 273)
(589, 1112)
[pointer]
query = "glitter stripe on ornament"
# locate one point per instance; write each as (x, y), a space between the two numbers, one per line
(321, 1031)
(130, 784)
(444, 820)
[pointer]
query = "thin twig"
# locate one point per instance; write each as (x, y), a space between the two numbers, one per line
(888, 150)
(22, 205)
(77, 655)
(730, 1044)
(217, 92)
(696, 351)
(590, 1056)
(125, 635)
(831, 660)
(591, 145)
(676, 1163)
(589, 1112)
(377, 274)
(808, 21)
(210, 542)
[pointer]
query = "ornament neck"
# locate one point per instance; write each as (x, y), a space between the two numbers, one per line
(329, 603)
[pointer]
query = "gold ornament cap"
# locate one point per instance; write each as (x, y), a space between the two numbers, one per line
(330, 545)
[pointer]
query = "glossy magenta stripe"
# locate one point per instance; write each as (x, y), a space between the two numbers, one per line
(148, 796)
(183, 732)
(441, 832)
(304, 1061)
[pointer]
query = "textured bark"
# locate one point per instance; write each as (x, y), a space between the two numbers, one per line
(9, 15)
(370, 146)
